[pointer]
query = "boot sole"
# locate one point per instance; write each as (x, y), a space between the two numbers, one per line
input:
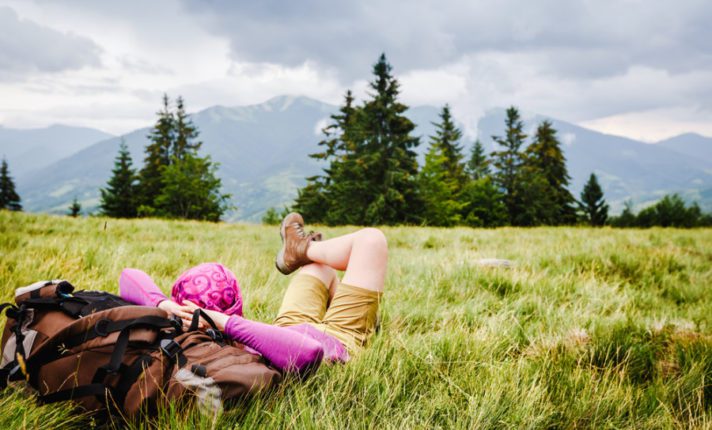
(279, 261)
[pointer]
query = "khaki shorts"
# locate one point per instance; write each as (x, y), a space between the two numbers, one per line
(350, 317)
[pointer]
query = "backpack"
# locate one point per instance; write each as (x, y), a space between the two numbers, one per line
(111, 357)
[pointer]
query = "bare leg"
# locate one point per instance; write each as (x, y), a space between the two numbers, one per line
(363, 255)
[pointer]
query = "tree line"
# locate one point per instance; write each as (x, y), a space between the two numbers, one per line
(373, 176)
(670, 211)
(174, 182)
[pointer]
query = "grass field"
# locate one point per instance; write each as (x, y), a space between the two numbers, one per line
(591, 328)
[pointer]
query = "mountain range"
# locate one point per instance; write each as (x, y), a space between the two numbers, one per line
(262, 150)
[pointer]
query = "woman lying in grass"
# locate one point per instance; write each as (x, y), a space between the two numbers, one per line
(321, 318)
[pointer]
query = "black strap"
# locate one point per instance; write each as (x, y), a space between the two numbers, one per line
(12, 312)
(5, 373)
(129, 377)
(194, 323)
(116, 357)
(70, 305)
(99, 390)
(7, 305)
(18, 314)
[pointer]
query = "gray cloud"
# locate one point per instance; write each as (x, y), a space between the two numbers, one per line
(577, 60)
(27, 47)
(571, 38)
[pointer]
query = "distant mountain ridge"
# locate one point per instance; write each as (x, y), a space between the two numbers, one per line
(263, 154)
(691, 144)
(32, 149)
(626, 168)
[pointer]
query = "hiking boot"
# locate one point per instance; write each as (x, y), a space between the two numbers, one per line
(295, 242)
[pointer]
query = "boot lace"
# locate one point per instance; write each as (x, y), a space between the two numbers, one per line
(299, 229)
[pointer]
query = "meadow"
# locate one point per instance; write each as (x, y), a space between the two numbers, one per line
(590, 328)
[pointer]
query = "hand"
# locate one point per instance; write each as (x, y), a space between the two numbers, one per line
(219, 318)
(184, 312)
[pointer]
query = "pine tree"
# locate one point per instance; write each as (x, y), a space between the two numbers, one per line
(185, 134)
(9, 199)
(388, 160)
(443, 176)
(118, 199)
(478, 164)
(447, 140)
(311, 200)
(485, 207)
(439, 190)
(372, 173)
(627, 218)
(190, 189)
(508, 162)
(535, 201)
(158, 156)
(339, 151)
(592, 204)
(544, 155)
(75, 208)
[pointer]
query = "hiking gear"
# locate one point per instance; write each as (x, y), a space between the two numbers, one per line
(295, 242)
(210, 286)
(111, 357)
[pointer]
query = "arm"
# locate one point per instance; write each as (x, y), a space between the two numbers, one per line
(138, 288)
(287, 350)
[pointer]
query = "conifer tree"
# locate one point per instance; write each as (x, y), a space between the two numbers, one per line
(592, 204)
(508, 162)
(339, 151)
(75, 208)
(443, 176)
(118, 199)
(627, 218)
(388, 160)
(478, 164)
(186, 133)
(158, 156)
(372, 173)
(190, 189)
(439, 190)
(9, 199)
(544, 155)
(447, 140)
(484, 204)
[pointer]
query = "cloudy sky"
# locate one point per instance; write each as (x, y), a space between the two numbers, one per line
(639, 68)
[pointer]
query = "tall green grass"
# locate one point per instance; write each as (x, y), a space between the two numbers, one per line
(591, 328)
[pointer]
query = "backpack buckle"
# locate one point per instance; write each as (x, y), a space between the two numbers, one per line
(170, 348)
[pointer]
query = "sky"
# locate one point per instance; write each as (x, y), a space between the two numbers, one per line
(636, 68)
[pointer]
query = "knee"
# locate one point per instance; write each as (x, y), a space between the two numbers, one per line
(325, 273)
(374, 238)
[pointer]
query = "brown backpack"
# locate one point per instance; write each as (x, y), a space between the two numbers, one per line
(110, 356)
